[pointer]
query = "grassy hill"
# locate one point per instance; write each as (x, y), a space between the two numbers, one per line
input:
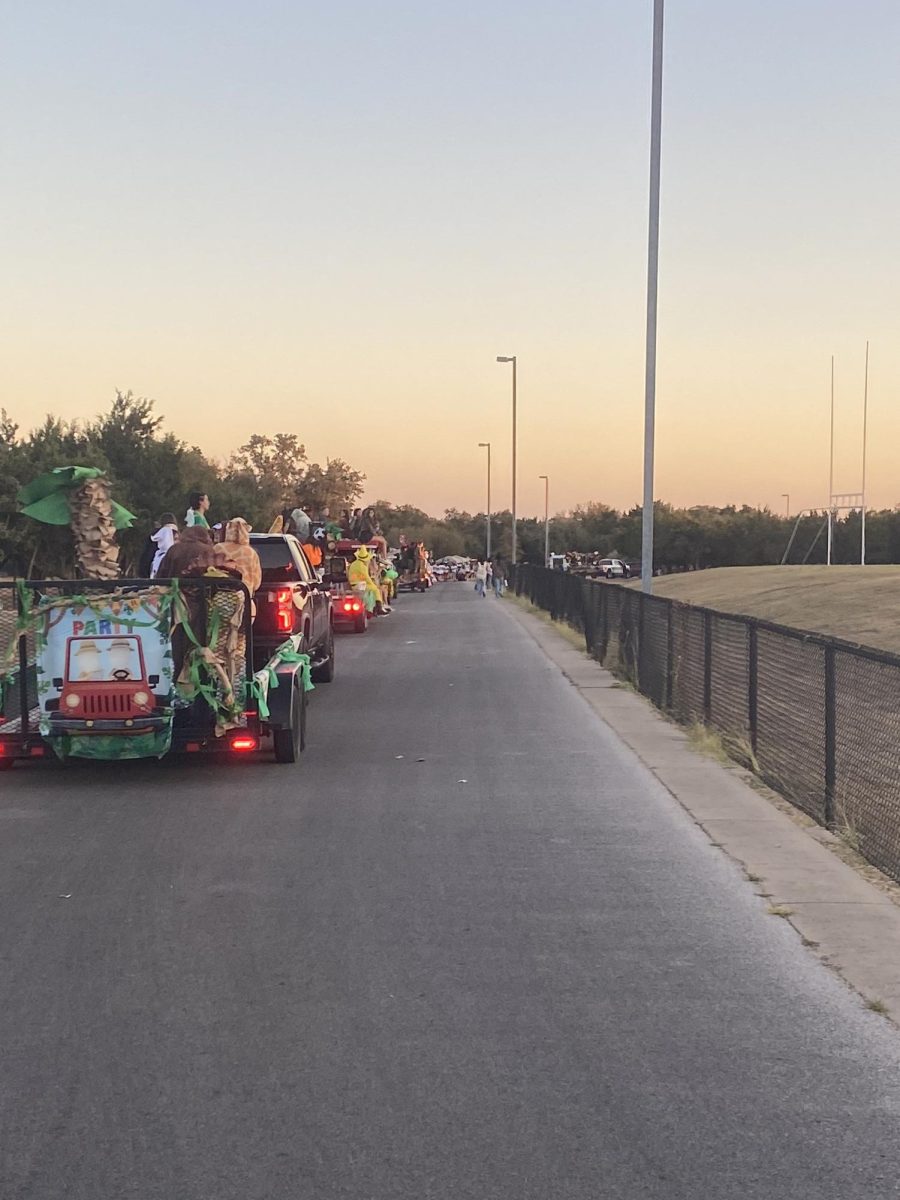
(860, 604)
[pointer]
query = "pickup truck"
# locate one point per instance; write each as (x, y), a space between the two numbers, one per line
(291, 600)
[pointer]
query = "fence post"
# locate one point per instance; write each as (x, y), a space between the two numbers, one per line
(639, 657)
(830, 735)
(753, 684)
(604, 620)
(670, 653)
(707, 666)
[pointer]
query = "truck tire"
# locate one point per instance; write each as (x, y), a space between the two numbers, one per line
(290, 743)
(324, 672)
(361, 624)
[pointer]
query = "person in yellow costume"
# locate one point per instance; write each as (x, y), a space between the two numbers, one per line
(360, 580)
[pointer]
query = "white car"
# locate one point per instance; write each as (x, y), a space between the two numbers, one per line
(612, 568)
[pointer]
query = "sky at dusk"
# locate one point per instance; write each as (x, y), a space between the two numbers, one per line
(330, 220)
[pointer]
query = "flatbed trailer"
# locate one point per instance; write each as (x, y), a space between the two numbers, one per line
(140, 669)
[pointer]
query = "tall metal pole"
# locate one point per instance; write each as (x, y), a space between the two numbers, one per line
(652, 291)
(546, 479)
(514, 453)
(862, 537)
(512, 359)
(831, 471)
(786, 496)
(487, 446)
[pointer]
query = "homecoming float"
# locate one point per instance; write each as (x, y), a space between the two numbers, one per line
(101, 667)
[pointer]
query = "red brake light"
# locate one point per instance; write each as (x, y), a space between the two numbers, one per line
(244, 743)
(284, 616)
(348, 607)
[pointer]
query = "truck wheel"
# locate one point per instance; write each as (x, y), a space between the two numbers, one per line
(324, 672)
(361, 624)
(290, 742)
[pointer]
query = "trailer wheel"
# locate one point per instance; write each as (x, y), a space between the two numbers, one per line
(290, 742)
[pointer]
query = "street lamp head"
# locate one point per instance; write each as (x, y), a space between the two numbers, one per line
(543, 476)
(503, 358)
(484, 445)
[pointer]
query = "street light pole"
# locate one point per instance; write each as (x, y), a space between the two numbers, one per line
(831, 474)
(512, 359)
(786, 497)
(862, 538)
(546, 479)
(487, 446)
(652, 291)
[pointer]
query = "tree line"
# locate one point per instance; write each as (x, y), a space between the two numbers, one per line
(685, 538)
(152, 470)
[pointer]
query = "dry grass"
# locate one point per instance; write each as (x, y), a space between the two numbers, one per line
(859, 604)
(571, 635)
(877, 1006)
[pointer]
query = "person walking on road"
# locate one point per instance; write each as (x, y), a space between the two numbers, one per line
(481, 572)
(497, 572)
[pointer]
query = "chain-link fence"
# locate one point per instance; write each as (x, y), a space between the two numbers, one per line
(816, 718)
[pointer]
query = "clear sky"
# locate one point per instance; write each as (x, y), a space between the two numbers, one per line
(331, 218)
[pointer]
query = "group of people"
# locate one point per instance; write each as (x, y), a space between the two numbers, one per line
(489, 576)
(174, 552)
(196, 548)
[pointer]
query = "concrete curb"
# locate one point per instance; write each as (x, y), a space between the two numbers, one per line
(851, 924)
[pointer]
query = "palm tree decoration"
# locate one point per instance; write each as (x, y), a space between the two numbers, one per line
(80, 497)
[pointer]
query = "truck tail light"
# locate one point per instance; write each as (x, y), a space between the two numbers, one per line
(284, 613)
(244, 744)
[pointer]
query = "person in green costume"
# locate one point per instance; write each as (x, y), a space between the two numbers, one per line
(198, 506)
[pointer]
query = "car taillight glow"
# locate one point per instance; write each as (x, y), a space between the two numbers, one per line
(244, 743)
(284, 616)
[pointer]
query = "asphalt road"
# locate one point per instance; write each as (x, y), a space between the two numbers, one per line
(504, 966)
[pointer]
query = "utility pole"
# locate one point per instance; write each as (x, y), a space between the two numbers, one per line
(512, 359)
(652, 293)
(546, 479)
(487, 446)
(862, 550)
(831, 473)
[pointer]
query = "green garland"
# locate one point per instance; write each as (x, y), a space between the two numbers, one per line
(287, 652)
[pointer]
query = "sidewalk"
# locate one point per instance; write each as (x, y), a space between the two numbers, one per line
(850, 923)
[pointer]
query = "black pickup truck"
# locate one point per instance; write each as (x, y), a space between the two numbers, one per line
(290, 601)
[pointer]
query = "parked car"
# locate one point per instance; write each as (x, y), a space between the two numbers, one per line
(612, 568)
(292, 600)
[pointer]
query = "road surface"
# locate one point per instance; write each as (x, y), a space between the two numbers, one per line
(470, 951)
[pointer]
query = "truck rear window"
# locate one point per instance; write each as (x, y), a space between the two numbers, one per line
(278, 564)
